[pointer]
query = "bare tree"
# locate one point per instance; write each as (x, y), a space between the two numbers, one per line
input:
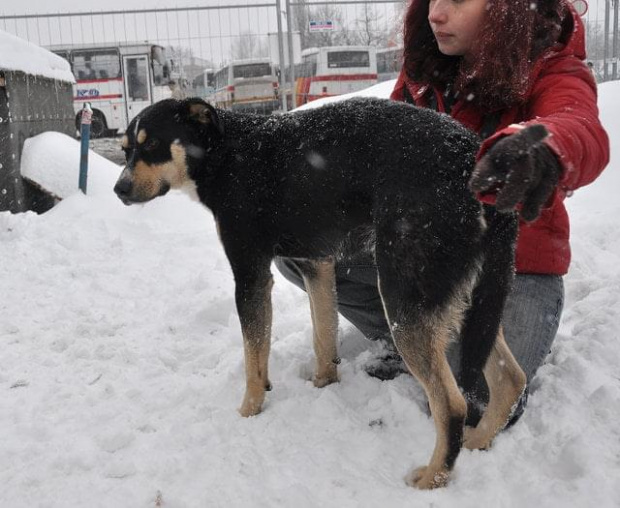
(369, 31)
(249, 45)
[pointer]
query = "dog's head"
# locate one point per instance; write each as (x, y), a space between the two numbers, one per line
(162, 145)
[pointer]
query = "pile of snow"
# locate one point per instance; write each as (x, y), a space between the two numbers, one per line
(121, 369)
(59, 174)
(19, 55)
(383, 90)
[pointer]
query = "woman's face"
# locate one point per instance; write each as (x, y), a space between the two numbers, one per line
(456, 24)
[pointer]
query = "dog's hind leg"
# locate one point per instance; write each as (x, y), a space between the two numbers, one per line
(427, 268)
(421, 337)
(506, 381)
(320, 281)
(253, 299)
(422, 347)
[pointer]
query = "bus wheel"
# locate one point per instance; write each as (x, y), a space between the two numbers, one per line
(98, 125)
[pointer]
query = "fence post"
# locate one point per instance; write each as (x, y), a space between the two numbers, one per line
(614, 49)
(291, 59)
(281, 55)
(87, 114)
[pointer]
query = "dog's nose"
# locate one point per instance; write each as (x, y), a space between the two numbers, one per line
(123, 187)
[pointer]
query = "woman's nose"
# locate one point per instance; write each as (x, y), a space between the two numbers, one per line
(437, 13)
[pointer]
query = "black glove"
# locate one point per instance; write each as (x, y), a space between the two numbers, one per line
(522, 170)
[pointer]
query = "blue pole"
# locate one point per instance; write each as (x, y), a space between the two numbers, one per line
(87, 114)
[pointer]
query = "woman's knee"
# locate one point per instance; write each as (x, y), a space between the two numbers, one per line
(531, 318)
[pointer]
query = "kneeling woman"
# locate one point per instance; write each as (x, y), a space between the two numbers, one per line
(497, 66)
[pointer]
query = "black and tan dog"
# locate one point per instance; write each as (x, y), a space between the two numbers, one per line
(302, 185)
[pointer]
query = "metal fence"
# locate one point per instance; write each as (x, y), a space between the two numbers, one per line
(211, 35)
(208, 36)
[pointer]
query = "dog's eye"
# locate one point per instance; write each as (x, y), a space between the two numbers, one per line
(151, 144)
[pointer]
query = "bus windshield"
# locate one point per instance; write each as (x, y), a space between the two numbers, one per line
(255, 70)
(96, 64)
(344, 59)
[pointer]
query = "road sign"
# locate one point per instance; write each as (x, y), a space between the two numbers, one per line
(321, 25)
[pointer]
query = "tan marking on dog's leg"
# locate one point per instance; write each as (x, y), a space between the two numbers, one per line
(321, 288)
(423, 350)
(125, 141)
(256, 346)
(506, 381)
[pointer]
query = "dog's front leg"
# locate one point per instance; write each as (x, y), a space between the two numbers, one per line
(320, 281)
(253, 298)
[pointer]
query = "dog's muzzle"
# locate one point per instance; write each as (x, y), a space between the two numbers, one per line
(129, 194)
(123, 190)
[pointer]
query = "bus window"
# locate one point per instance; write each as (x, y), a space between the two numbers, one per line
(161, 66)
(137, 78)
(344, 59)
(65, 55)
(96, 64)
(389, 60)
(256, 70)
(210, 79)
(221, 78)
(308, 66)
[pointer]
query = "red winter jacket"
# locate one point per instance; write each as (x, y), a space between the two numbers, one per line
(562, 97)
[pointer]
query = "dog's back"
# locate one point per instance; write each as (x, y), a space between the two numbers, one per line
(305, 180)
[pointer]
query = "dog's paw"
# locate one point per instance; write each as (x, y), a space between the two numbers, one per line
(424, 478)
(252, 404)
(325, 376)
(477, 438)
(321, 382)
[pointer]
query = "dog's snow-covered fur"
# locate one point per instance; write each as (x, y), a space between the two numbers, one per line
(301, 185)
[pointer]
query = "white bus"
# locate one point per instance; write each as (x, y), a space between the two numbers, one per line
(247, 85)
(118, 80)
(333, 70)
(203, 85)
(389, 63)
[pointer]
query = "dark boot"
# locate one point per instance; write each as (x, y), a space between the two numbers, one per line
(387, 364)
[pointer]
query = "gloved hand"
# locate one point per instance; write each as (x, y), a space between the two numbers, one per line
(522, 170)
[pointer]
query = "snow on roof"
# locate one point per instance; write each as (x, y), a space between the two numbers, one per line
(19, 55)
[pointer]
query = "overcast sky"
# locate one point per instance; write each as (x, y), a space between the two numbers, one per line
(207, 34)
(47, 6)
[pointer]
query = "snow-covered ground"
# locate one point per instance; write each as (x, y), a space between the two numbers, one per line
(121, 369)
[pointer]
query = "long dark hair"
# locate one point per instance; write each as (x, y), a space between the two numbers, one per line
(513, 34)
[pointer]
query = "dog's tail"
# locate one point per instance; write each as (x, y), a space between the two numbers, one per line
(483, 319)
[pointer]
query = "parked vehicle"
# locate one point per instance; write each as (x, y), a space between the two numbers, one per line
(332, 70)
(247, 85)
(389, 62)
(118, 80)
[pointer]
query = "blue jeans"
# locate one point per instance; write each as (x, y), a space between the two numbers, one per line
(530, 320)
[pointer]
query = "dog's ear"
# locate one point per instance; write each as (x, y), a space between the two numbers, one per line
(201, 112)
